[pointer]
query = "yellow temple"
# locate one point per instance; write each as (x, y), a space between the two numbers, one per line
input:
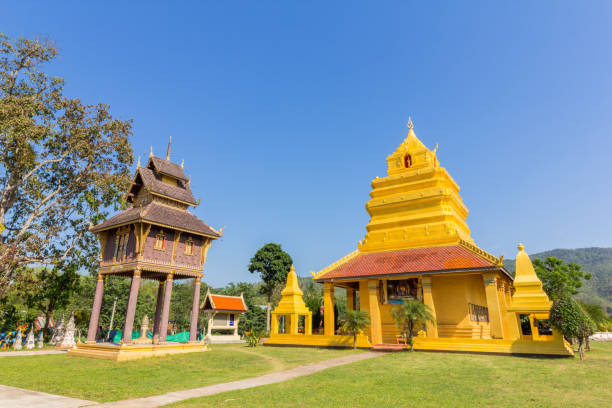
(418, 246)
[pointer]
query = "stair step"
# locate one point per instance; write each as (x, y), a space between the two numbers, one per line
(389, 347)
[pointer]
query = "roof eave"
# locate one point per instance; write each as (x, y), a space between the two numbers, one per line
(437, 272)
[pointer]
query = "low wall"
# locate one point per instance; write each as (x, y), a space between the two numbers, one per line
(317, 340)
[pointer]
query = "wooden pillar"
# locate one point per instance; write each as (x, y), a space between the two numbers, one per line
(131, 308)
(375, 323)
(95, 310)
(328, 309)
(495, 318)
(195, 309)
(163, 326)
(432, 328)
(350, 299)
(158, 311)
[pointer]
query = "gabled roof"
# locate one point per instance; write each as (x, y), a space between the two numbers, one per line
(430, 260)
(181, 192)
(162, 215)
(223, 302)
(167, 167)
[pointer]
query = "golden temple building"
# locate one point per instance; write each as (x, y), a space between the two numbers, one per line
(418, 246)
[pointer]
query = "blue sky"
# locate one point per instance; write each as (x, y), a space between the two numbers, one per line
(285, 111)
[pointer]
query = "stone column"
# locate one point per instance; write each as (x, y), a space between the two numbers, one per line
(163, 325)
(328, 309)
(350, 299)
(211, 316)
(308, 324)
(131, 308)
(432, 328)
(158, 309)
(195, 309)
(495, 318)
(236, 321)
(95, 310)
(274, 324)
(375, 322)
(293, 323)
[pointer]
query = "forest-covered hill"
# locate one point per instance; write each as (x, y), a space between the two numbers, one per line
(597, 261)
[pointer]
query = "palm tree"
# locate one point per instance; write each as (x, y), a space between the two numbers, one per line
(356, 321)
(410, 316)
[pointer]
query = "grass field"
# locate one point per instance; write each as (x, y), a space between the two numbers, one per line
(439, 380)
(102, 380)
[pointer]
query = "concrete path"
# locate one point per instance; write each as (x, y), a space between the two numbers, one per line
(170, 397)
(30, 353)
(19, 398)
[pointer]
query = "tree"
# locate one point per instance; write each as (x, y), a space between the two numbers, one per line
(356, 321)
(410, 316)
(559, 279)
(598, 315)
(567, 316)
(48, 289)
(273, 264)
(62, 163)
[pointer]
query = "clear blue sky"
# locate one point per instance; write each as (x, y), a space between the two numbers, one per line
(285, 111)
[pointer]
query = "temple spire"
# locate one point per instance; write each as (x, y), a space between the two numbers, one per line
(168, 152)
(138, 164)
(182, 163)
(151, 151)
(409, 125)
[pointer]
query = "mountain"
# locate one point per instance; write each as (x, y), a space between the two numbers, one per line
(596, 261)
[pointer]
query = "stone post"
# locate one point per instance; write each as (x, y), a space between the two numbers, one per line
(432, 328)
(95, 310)
(158, 310)
(375, 322)
(495, 318)
(328, 311)
(195, 309)
(163, 326)
(131, 308)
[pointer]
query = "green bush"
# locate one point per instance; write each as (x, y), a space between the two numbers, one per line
(572, 321)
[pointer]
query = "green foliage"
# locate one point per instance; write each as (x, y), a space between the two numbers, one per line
(570, 319)
(273, 264)
(558, 278)
(598, 315)
(356, 321)
(62, 163)
(411, 316)
(252, 339)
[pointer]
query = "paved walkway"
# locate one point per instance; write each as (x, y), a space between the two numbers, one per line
(170, 397)
(30, 353)
(19, 398)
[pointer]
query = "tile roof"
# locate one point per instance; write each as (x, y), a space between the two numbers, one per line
(167, 167)
(181, 192)
(413, 260)
(159, 214)
(222, 302)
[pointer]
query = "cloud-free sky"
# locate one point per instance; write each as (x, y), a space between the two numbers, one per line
(285, 111)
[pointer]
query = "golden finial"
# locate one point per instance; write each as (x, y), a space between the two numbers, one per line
(168, 152)
(189, 179)
(138, 164)
(182, 163)
(409, 124)
(151, 151)
(521, 247)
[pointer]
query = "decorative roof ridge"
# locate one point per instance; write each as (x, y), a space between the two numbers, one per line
(482, 253)
(346, 258)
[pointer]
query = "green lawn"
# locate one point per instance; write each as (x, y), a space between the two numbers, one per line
(102, 380)
(439, 380)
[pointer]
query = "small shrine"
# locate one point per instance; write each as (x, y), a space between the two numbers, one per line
(223, 314)
(157, 239)
(291, 316)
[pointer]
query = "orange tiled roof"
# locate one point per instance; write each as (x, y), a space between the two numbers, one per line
(221, 302)
(414, 260)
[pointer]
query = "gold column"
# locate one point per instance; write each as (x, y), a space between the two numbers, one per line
(328, 309)
(432, 328)
(350, 299)
(495, 318)
(375, 324)
(274, 324)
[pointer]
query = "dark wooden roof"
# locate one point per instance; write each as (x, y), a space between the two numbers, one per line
(161, 215)
(167, 167)
(181, 192)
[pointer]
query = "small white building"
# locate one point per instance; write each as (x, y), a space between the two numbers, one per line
(223, 314)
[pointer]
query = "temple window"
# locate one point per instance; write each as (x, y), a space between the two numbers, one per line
(160, 240)
(525, 325)
(478, 313)
(544, 328)
(189, 246)
(407, 160)
(398, 290)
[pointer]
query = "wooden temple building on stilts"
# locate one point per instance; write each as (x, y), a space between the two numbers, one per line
(418, 246)
(159, 239)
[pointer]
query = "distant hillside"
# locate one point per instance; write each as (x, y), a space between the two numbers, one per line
(597, 261)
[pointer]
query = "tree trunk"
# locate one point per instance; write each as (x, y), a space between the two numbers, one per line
(588, 344)
(268, 315)
(581, 348)
(354, 341)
